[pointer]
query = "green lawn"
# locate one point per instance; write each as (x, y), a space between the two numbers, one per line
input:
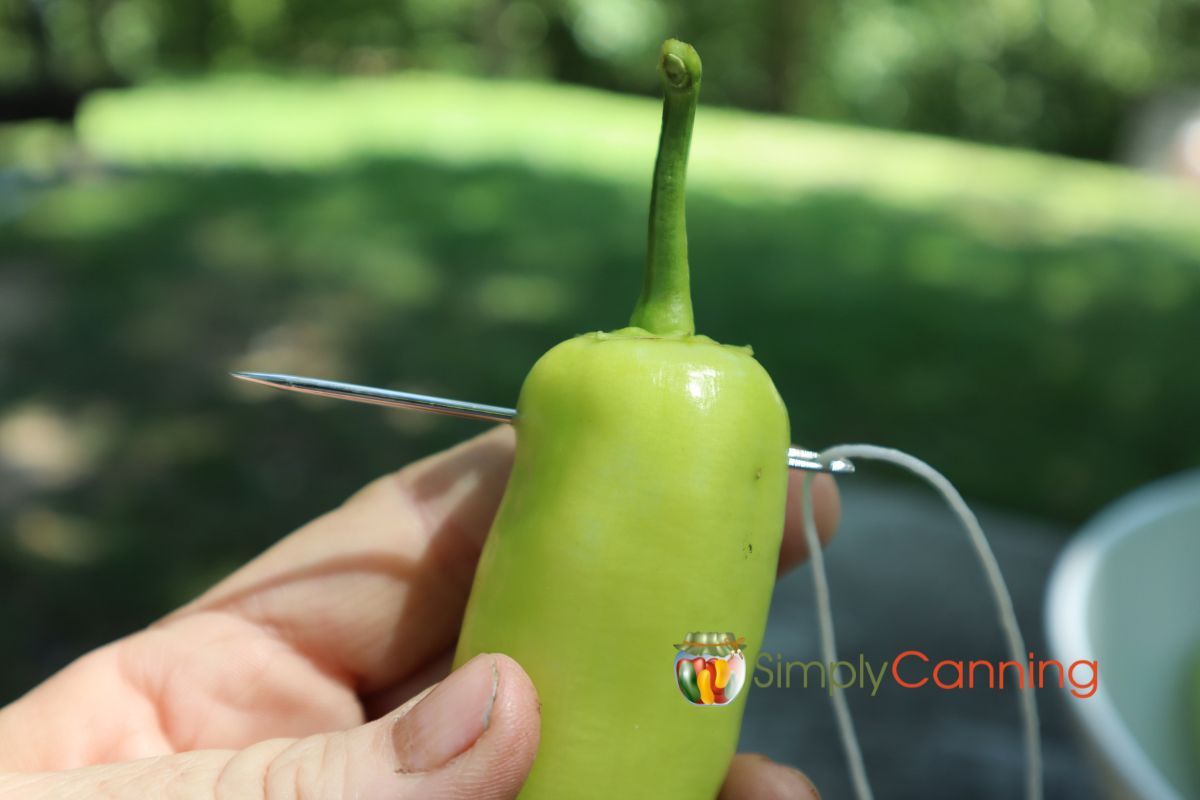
(1024, 323)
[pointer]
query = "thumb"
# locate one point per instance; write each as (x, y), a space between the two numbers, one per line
(473, 735)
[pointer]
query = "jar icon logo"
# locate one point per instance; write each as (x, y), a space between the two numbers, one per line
(710, 668)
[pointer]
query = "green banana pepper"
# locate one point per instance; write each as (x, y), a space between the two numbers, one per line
(646, 500)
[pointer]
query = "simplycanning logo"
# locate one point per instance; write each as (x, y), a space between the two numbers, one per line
(710, 668)
(912, 669)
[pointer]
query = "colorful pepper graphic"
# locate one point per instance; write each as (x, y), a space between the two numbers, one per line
(710, 668)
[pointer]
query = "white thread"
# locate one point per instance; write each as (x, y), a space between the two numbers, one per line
(858, 771)
(1004, 608)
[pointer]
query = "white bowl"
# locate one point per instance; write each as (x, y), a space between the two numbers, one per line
(1126, 592)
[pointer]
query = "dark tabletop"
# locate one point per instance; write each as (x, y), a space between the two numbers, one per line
(904, 578)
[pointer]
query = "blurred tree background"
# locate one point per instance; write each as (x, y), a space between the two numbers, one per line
(1052, 75)
(428, 194)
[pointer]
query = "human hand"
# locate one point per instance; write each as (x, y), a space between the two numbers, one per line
(303, 674)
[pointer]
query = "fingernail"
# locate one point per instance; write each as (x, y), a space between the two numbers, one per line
(449, 719)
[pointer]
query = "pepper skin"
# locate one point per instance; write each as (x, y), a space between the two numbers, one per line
(722, 673)
(687, 680)
(705, 679)
(646, 498)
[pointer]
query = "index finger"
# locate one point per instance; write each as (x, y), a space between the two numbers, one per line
(376, 588)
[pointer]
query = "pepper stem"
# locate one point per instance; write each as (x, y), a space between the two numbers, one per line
(665, 307)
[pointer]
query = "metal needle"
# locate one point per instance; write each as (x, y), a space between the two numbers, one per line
(380, 397)
(798, 458)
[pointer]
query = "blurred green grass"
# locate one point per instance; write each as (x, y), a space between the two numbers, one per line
(1024, 323)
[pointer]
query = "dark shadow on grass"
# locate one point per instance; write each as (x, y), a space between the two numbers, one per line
(1019, 364)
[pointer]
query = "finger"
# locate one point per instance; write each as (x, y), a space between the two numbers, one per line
(376, 588)
(827, 509)
(379, 703)
(473, 735)
(756, 777)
